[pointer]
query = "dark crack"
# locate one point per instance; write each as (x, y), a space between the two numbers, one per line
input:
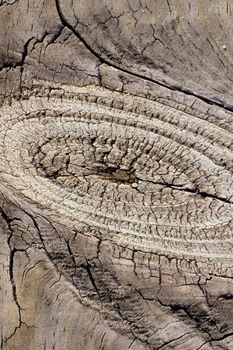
(194, 191)
(87, 267)
(12, 253)
(173, 87)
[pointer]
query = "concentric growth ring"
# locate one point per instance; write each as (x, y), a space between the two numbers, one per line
(143, 173)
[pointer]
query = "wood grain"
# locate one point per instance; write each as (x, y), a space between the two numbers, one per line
(116, 160)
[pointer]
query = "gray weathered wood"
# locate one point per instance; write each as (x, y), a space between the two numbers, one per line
(116, 159)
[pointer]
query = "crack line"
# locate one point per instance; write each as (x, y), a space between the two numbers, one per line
(172, 87)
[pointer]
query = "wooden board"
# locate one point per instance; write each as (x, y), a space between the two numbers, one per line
(116, 185)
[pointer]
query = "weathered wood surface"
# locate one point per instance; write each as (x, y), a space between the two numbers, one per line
(116, 196)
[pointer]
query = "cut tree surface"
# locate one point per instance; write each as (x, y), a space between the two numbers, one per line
(116, 184)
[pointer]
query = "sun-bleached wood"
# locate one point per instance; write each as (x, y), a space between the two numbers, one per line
(116, 185)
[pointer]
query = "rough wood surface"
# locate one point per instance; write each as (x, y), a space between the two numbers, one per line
(116, 185)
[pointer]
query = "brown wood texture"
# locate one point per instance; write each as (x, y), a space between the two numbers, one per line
(116, 160)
